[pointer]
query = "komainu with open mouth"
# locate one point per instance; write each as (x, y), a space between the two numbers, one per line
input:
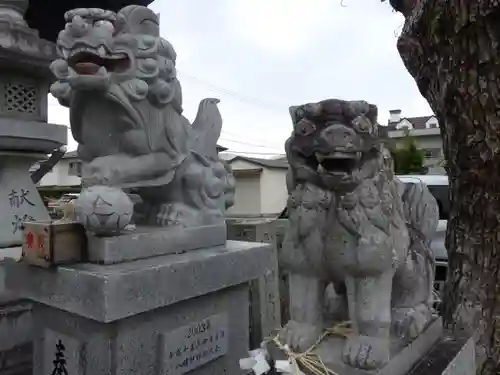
(354, 225)
(118, 77)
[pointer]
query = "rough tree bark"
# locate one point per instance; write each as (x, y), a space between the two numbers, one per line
(451, 48)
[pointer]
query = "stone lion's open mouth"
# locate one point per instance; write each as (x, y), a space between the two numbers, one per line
(338, 162)
(88, 61)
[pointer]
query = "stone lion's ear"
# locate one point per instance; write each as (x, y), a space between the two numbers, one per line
(293, 113)
(372, 113)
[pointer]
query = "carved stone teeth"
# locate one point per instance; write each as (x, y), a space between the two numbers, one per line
(320, 157)
(71, 72)
(102, 51)
(102, 71)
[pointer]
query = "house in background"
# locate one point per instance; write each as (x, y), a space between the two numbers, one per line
(65, 174)
(426, 133)
(260, 187)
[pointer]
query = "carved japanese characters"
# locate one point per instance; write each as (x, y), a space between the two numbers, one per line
(353, 224)
(118, 77)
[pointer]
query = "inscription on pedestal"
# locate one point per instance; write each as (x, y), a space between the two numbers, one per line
(19, 203)
(194, 345)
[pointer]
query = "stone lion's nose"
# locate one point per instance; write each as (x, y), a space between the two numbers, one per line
(338, 135)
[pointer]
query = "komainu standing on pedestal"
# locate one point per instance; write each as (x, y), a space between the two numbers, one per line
(353, 224)
(118, 77)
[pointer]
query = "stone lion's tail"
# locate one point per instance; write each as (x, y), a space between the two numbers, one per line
(422, 217)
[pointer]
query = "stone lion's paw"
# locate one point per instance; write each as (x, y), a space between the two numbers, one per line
(176, 214)
(299, 336)
(366, 352)
(408, 323)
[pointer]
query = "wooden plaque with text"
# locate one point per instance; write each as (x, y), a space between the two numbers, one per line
(48, 244)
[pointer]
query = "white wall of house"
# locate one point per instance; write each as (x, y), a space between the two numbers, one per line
(62, 174)
(258, 194)
(273, 187)
(247, 197)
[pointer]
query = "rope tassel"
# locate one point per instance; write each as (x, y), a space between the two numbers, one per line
(308, 361)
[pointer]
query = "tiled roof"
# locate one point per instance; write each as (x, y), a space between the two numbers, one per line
(269, 163)
(73, 154)
(417, 122)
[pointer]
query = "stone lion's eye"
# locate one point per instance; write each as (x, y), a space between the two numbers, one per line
(362, 124)
(305, 127)
(300, 113)
(105, 24)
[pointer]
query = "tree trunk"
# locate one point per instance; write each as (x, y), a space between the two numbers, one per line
(451, 48)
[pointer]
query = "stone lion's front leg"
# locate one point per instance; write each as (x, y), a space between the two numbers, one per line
(369, 300)
(306, 312)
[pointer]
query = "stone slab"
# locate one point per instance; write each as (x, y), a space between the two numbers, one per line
(19, 198)
(136, 345)
(265, 305)
(147, 242)
(403, 358)
(15, 324)
(34, 136)
(109, 292)
(449, 357)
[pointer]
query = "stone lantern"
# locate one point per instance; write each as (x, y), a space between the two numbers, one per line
(25, 134)
(28, 30)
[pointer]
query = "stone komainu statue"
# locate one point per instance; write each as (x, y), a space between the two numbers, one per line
(118, 78)
(354, 225)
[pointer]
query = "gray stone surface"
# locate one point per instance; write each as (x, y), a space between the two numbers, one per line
(35, 136)
(153, 242)
(450, 356)
(464, 362)
(15, 323)
(131, 132)
(103, 210)
(265, 304)
(354, 225)
(19, 198)
(162, 315)
(136, 345)
(110, 292)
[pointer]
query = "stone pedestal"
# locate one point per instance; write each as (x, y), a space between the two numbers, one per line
(167, 314)
(265, 306)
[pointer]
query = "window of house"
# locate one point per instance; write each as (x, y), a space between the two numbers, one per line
(432, 153)
(75, 168)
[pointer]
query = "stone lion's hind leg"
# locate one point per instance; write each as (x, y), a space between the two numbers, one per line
(412, 296)
(369, 298)
(413, 293)
(306, 312)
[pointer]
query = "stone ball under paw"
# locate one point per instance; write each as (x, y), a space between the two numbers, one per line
(103, 210)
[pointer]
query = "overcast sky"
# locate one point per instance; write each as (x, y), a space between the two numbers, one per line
(261, 56)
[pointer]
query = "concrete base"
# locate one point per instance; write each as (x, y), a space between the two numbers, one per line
(149, 242)
(164, 315)
(449, 357)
